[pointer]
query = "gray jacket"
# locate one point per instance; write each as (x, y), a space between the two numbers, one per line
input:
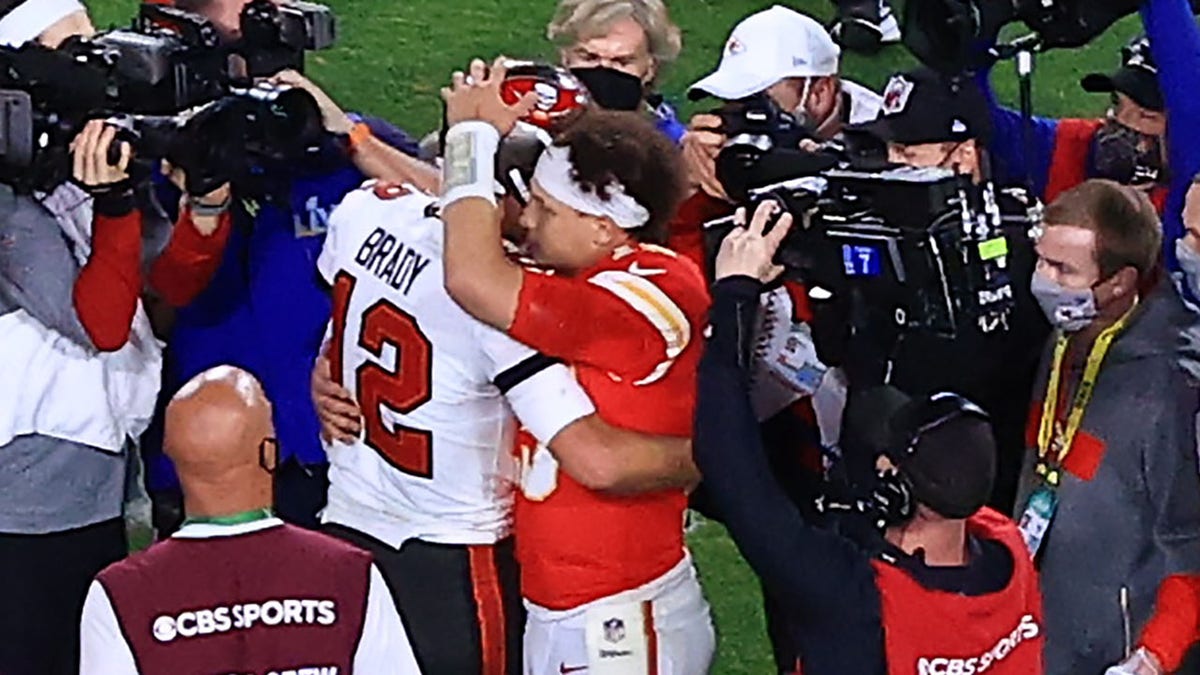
(49, 484)
(1137, 520)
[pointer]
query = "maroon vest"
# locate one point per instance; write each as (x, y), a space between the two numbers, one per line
(269, 601)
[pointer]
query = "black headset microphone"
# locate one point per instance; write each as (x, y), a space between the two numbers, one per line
(892, 500)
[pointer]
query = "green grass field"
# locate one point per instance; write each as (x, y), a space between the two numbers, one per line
(394, 55)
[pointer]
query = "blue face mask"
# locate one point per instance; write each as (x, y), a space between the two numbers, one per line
(1189, 262)
(1068, 309)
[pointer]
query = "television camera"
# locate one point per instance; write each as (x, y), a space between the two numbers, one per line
(174, 89)
(927, 246)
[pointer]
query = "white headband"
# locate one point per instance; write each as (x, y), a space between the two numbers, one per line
(31, 18)
(553, 174)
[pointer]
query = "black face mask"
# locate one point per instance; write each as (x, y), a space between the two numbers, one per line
(1126, 156)
(612, 89)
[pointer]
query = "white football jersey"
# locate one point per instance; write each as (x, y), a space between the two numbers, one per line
(437, 388)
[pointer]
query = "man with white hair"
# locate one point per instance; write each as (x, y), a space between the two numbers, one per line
(619, 48)
(81, 367)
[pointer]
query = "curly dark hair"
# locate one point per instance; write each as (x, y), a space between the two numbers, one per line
(608, 147)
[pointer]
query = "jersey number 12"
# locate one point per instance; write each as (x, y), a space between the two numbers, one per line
(404, 389)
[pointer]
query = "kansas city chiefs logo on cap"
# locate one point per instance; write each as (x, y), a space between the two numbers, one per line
(895, 97)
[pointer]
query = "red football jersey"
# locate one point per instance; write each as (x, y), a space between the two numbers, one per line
(631, 327)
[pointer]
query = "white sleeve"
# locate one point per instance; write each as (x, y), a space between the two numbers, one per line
(102, 647)
(542, 392)
(384, 645)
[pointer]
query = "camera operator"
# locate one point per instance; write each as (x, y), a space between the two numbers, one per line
(1153, 94)
(619, 49)
(266, 309)
(81, 367)
(933, 120)
(792, 59)
(949, 584)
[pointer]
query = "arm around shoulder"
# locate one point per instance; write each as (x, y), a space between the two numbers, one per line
(622, 462)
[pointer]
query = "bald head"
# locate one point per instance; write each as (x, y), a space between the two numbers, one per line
(215, 426)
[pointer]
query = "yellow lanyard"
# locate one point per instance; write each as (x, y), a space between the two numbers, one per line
(1082, 396)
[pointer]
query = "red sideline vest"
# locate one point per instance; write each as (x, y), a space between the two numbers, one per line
(277, 599)
(1068, 164)
(953, 634)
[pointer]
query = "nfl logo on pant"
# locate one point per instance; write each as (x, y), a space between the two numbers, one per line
(614, 630)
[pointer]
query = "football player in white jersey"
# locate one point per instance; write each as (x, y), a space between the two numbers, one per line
(427, 484)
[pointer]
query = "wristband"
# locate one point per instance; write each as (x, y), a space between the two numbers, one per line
(114, 203)
(359, 133)
(469, 167)
(203, 210)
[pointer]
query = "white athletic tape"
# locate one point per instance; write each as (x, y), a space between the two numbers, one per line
(469, 167)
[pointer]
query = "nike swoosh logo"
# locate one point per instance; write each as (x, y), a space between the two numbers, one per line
(564, 669)
(637, 269)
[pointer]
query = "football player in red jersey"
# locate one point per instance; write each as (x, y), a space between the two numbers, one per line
(608, 581)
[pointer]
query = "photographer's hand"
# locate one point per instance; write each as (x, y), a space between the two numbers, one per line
(207, 217)
(89, 154)
(335, 119)
(746, 251)
(701, 144)
(478, 98)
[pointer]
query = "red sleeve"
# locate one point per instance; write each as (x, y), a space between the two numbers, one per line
(189, 261)
(1175, 625)
(108, 287)
(686, 235)
(574, 320)
(1068, 165)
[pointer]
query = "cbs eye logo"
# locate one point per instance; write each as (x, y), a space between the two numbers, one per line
(164, 629)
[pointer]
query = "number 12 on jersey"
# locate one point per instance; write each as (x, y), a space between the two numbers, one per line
(405, 388)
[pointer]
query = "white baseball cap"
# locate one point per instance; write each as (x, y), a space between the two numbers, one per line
(31, 18)
(767, 47)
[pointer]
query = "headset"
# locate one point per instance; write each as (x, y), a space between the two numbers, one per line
(893, 497)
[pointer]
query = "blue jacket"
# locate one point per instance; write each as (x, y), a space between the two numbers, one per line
(1175, 44)
(667, 120)
(266, 307)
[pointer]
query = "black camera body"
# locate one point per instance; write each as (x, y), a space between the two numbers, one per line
(172, 87)
(926, 246)
(762, 145)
